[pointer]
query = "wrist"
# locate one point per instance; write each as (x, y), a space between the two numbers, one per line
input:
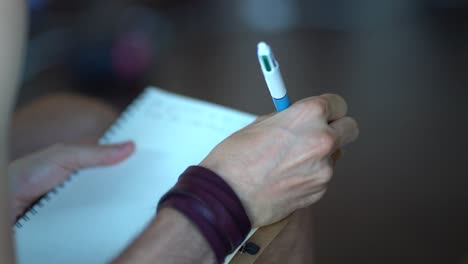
(170, 237)
(212, 206)
(172, 224)
(227, 174)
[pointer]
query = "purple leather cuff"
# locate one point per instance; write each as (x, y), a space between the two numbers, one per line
(211, 204)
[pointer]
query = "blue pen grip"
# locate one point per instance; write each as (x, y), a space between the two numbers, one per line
(281, 103)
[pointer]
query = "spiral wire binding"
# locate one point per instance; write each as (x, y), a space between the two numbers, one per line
(35, 208)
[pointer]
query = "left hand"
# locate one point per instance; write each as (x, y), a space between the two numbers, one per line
(38, 173)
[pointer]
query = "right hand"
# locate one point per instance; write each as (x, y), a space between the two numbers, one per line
(282, 162)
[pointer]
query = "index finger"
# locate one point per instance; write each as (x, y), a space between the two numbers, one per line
(330, 107)
(336, 107)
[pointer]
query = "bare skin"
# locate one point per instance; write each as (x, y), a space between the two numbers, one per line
(280, 177)
(169, 237)
(91, 118)
(65, 156)
(274, 173)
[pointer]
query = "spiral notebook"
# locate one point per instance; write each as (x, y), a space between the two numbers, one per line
(96, 213)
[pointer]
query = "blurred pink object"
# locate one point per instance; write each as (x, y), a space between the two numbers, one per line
(132, 55)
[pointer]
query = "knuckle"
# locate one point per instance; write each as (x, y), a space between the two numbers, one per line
(314, 107)
(317, 196)
(340, 100)
(318, 107)
(304, 203)
(326, 175)
(327, 143)
(311, 199)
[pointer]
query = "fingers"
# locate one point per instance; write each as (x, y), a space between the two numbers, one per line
(337, 107)
(327, 106)
(333, 109)
(346, 131)
(313, 197)
(73, 157)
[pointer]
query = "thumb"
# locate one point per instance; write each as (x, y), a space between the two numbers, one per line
(74, 157)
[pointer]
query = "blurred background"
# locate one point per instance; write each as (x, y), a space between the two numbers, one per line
(400, 193)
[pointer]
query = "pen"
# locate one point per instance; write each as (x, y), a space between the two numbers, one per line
(273, 78)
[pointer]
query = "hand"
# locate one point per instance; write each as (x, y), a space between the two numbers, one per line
(36, 174)
(282, 162)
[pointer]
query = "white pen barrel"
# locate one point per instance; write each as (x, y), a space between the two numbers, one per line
(275, 83)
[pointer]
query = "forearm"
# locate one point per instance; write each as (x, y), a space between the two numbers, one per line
(169, 238)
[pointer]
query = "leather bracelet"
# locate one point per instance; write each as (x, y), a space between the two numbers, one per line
(211, 204)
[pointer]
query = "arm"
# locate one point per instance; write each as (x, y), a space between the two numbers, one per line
(276, 165)
(12, 25)
(170, 237)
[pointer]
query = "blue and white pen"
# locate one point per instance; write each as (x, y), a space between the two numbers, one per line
(273, 78)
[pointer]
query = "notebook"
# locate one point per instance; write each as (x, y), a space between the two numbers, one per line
(97, 212)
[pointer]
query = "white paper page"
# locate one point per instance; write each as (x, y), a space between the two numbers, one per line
(98, 212)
